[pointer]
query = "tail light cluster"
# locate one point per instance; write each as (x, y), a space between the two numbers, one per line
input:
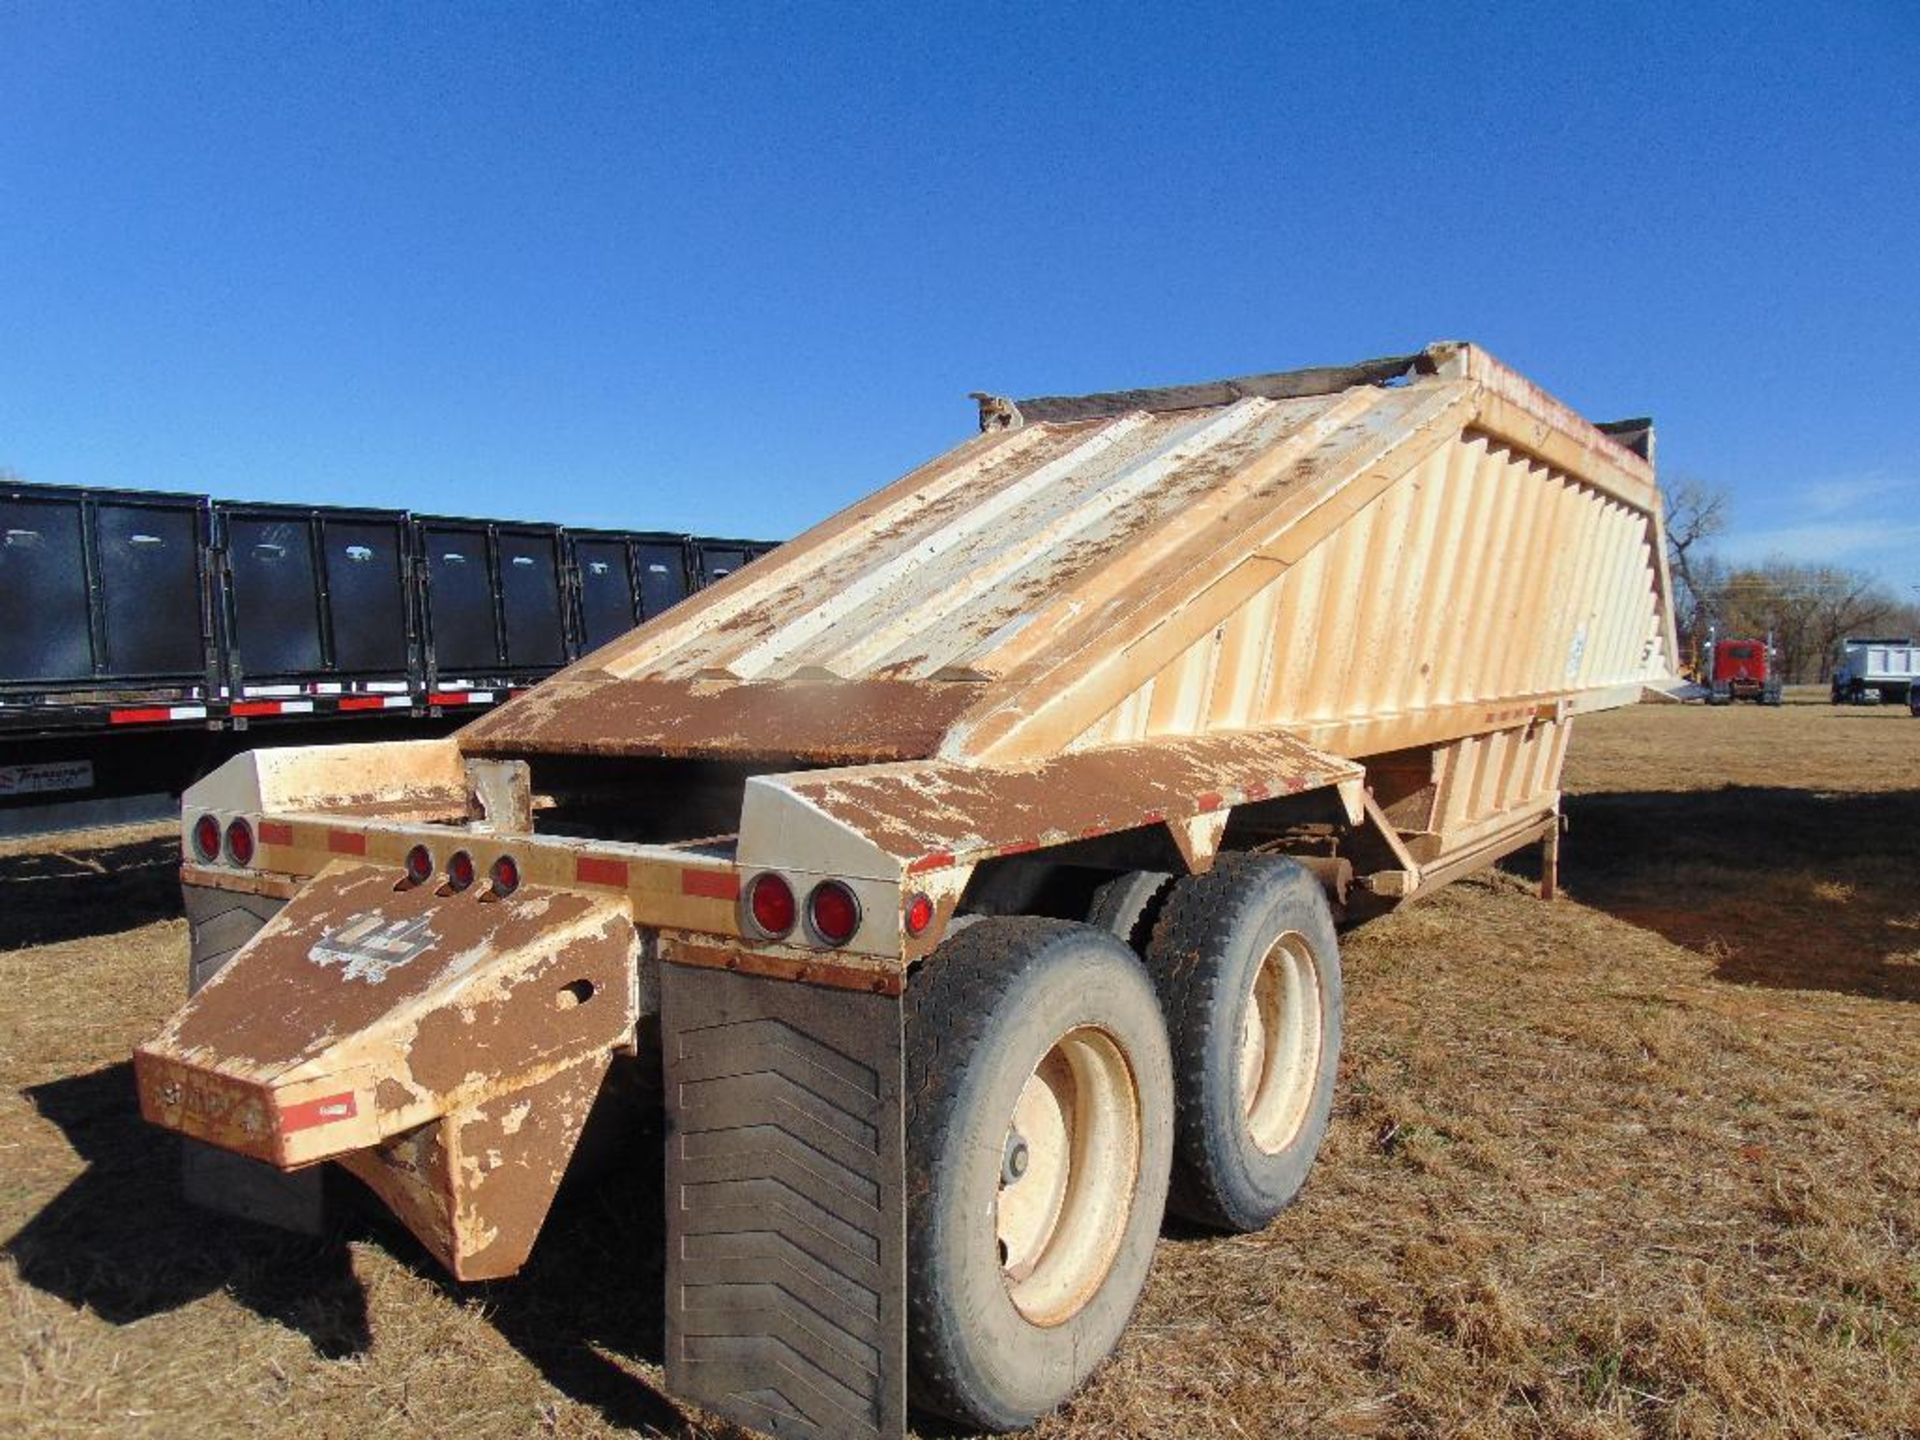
(237, 845)
(211, 844)
(832, 910)
(462, 872)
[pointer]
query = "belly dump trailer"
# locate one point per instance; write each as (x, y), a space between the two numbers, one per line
(967, 868)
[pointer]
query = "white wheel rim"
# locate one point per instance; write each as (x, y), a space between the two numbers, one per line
(1280, 1043)
(1069, 1167)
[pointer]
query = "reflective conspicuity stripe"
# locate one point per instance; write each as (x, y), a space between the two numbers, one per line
(375, 702)
(592, 870)
(710, 884)
(156, 714)
(324, 1111)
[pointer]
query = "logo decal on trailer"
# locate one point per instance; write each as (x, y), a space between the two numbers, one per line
(369, 945)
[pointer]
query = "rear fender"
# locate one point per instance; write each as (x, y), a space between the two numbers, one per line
(445, 1047)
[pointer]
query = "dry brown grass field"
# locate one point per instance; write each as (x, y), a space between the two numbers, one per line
(1644, 1161)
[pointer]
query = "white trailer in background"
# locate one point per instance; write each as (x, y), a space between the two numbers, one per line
(1876, 671)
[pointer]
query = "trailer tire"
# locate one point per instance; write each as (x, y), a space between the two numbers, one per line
(1052, 1027)
(1245, 954)
(1128, 906)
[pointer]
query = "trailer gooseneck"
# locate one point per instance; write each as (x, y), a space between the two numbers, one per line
(968, 868)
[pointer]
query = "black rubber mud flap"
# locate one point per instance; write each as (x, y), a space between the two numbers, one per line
(219, 923)
(786, 1211)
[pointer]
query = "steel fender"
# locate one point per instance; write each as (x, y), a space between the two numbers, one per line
(446, 1046)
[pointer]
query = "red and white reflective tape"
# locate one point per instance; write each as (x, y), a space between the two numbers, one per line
(272, 707)
(375, 702)
(156, 714)
(460, 697)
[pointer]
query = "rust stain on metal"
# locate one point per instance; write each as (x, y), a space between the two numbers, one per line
(935, 815)
(806, 969)
(362, 1017)
(807, 720)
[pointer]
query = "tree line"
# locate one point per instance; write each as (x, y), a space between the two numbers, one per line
(1808, 609)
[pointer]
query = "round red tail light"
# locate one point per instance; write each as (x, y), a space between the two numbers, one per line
(770, 905)
(833, 912)
(240, 842)
(460, 870)
(206, 838)
(419, 865)
(919, 914)
(506, 875)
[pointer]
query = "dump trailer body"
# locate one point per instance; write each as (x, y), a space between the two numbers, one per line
(1365, 568)
(1888, 667)
(1342, 615)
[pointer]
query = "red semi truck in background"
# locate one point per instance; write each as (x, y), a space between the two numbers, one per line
(1742, 670)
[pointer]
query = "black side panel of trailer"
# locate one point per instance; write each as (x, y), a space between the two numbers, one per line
(274, 604)
(530, 603)
(366, 568)
(152, 559)
(43, 591)
(720, 558)
(463, 624)
(316, 593)
(606, 589)
(665, 574)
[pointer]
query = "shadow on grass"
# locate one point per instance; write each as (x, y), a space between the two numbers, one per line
(71, 895)
(595, 1285)
(1792, 889)
(122, 1241)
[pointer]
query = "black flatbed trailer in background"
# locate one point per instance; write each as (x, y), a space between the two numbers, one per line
(128, 613)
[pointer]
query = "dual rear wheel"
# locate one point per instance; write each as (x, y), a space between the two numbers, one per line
(1065, 1089)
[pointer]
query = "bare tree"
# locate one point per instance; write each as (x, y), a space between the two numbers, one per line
(1696, 512)
(1807, 609)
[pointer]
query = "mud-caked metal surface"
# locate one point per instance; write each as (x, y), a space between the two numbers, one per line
(448, 1047)
(786, 1212)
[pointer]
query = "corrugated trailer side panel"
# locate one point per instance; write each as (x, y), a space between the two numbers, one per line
(1481, 576)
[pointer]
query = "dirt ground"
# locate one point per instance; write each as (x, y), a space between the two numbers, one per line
(1643, 1161)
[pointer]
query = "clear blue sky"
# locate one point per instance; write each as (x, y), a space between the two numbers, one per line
(726, 268)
